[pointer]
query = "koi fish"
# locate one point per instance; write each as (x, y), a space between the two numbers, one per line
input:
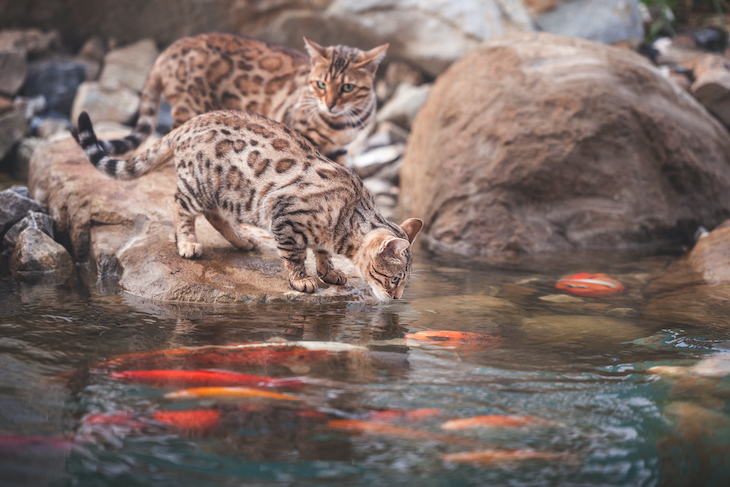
(14, 442)
(200, 378)
(457, 339)
(490, 421)
(486, 457)
(227, 392)
(242, 354)
(193, 419)
(591, 285)
(371, 427)
(397, 414)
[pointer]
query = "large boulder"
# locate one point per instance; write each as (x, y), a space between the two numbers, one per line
(537, 143)
(125, 230)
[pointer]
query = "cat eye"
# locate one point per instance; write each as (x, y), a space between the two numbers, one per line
(394, 281)
(321, 85)
(348, 87)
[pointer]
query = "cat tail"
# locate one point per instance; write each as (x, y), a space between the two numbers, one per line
(159, 154)
(146, 123)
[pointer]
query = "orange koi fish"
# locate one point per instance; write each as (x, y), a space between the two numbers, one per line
(193, 419)
(590, 285)
(371, 427)
(490, 421)
(246, 354)
(487, 457)
(461, 340)
(398, 414)
(228, 392)
(200, 378)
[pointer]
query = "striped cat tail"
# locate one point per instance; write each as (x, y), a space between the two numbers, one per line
(154, 157)
(146, 123)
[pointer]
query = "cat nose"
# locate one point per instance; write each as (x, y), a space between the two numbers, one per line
(330, 104)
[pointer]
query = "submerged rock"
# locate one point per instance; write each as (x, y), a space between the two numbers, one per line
(125, 229)
(538, 143)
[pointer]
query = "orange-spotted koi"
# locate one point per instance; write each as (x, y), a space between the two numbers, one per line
(192, 420)
(490, 421)
(244, 354)
(461, 340)
(487, 457)
(384, 429)
(590, 285)
(200, 378)
(228, 392)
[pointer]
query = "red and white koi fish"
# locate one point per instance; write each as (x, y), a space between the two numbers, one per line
(590, 285)
(488, 457)
(201, 378)
(491, 421)
(245, 354)
(228, 392)
(461, 340)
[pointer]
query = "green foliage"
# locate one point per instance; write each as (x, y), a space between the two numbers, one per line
(686, 12)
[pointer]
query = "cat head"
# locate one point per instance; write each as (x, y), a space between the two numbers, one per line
(384, 260)
(341, 78)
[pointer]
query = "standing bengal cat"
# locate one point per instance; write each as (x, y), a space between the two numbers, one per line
(328, 97)
(238, 167)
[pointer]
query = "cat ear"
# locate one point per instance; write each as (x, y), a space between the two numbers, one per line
(314, 49)
(412, 227)
(371, 59)
(393, 247)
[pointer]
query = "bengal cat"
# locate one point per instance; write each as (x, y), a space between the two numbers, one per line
(239, 167)
(328, 97)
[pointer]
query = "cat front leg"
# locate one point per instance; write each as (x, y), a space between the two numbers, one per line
(294, 263)
(187, 242)
(326, 270)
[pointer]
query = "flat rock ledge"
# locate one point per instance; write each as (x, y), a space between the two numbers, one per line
(125, 229)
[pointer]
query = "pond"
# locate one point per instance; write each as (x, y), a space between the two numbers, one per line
(570, 372)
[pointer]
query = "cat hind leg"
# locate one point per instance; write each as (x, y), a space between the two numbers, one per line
(187, 242)
(231, 231)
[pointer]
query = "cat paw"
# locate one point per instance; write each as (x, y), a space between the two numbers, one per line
(304, 285)
(189, 250)
(245, 243)
(334, 276)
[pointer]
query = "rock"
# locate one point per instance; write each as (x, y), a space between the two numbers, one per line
(397, 73)
(403, 107)
(125, 228)
(13, 69)
(34, 219)
(368, 163)
(712, 89)
(46, 127)
(13, 207)
(13, 128)
(710, 256)
(57, 81)
(578, 330)
(37, 253)
(6, 104)
(560, 298)
(537, 143)
(119, 105)
(129, 66)
(21, 161)
(32, 41)
(706, 306)
(431, 34)
(606, 21)
(28, 106)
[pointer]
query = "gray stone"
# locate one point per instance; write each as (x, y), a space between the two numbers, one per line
(119, 105)
(538, 143)
(13, 127)
(712, 89)
(404, 105)
(368, 163)
(13, 69)
(397, 73)
(57, 81)
(37, 253)
(13, 207)
(21, 161)
(606, 21)
(30, 106)
(129, 66)
(34, 219)
(32, 41)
